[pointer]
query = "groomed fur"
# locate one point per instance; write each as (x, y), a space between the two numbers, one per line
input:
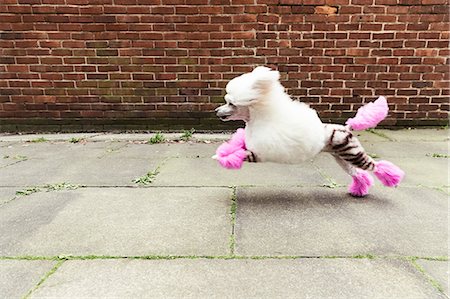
(281, 130)
(278, 129)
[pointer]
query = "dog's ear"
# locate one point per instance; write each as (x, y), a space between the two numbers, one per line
(265, 78)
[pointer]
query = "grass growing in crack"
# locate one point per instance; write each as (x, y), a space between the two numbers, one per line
(76, 139)
(174, 257)
(16, 157)
(435, 155)
(60, 186)
(331, 185)
(38, 140)
(373, 155)
(364, 256)
(233, 210)
(43, 279)
(187, 134)
(157, 138)
(433, 282)
(147, 178)
(47, 188)
(373, 131)
(28, 191)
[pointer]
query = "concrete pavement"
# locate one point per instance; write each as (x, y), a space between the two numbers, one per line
(110, 215)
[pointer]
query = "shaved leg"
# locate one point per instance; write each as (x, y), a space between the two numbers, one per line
(342, 143)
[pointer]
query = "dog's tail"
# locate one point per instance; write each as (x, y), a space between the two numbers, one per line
(368, 116)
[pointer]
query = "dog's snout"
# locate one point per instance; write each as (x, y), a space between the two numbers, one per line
(222, 112)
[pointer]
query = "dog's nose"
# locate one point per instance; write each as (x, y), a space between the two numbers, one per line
(222, 114)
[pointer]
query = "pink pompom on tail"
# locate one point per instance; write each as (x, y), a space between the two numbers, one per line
(368, 116)
(362, 181)
(389, 174)
(232, 154)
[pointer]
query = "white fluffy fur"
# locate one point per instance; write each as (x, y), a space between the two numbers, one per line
(278, 129)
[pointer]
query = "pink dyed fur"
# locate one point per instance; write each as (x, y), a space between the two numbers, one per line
(368, 116)
(389, 174)
(231, 154)
(362, 181)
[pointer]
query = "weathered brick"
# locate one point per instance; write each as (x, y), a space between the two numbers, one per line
(328, 51)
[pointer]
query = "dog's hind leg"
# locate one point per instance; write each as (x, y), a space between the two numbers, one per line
(342, 143)
(362, 180)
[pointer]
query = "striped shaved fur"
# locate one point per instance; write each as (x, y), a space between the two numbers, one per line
(342, 144)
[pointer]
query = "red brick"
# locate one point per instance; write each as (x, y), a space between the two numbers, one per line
(391, 49)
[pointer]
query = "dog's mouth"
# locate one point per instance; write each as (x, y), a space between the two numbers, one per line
(223, 116)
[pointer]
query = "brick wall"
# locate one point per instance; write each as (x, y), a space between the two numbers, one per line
(158, 64)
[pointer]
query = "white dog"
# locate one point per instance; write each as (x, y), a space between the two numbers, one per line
(281, 130)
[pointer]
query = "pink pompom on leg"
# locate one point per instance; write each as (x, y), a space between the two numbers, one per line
(362, 181)
(389, 174)
(232, 154)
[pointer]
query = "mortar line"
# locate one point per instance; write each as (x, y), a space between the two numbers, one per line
(428, 277)
(44, 278)
(84, 186)
(222, 257)
(233, 209)
(380, 134)
(332, 182)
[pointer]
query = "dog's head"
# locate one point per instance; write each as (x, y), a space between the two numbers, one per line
(246, 90)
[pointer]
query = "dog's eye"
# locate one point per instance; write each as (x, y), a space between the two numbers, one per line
(232, 105)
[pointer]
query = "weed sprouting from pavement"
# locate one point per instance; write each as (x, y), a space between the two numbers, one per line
(76, 139)
(157, 138)
(16, 157)
(435, 155)
(60, 186)
(187, 134)
(148, 178)
(373, 155)
(331, 185)
(38, 140)
(28, 191)
(47, 188)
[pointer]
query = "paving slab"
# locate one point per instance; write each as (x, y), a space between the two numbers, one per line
(107, 171)
(169, 136)
(118, 221)
(417, 134)
(433, 172)
(6, 143)
(320, 221)
(52, 137)
(406, 149)
(369, 137)
(58, 149)
(182, 150)
(6, 194)
(7, 160)
(426, 171)
(329, 168)
(208, 172)
(199, 278)
(439, 270)
(17, 277)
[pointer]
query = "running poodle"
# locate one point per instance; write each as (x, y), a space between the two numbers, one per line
(281, 130)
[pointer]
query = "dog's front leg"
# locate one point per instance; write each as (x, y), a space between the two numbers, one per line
(251, 157)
